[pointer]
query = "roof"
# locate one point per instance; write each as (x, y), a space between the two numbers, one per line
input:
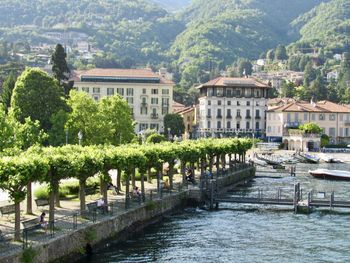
(184, 110)
(324, 106)
(121, 74)
(234, 82)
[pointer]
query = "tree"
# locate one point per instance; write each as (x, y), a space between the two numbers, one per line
(7, 89)
(175, 123)
(6, 131)
(59, 64)
(245, 68)
(38, 96)
(309, 74)
(116, 115)
(324, 140)
(281, 53)
(288, 89)
(270, 55)
(310, 128)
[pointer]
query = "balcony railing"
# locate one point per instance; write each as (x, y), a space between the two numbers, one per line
(238, 117)
(294, 124)
(154, 116)
(219, 116)
(208, 116)
(248, 117)
(229, 117)
(144, 104)
(296, 132)
(257, 117)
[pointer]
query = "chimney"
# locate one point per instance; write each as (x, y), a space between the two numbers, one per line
(313, 104)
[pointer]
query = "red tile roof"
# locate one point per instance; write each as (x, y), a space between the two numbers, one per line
(321, 106)
(123, 73)
(234, 82)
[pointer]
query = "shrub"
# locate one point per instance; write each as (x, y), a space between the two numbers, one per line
(71, 188)
(29, 255)
(41, 192)
(155, 138)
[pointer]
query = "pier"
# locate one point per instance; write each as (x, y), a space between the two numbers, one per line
(295, 199)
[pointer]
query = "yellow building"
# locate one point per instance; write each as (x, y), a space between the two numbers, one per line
(148, 94)
(333, 118)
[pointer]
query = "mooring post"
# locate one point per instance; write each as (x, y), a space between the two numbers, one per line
(331, 201)
(295, 202)
(211, 194)
(308, 202)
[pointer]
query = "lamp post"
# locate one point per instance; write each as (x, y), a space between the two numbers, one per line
(80, 137)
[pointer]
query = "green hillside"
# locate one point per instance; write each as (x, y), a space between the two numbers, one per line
(172, 5)
(326, 25)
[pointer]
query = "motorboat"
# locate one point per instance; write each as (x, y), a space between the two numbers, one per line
(330, 159)
(268, 160)
(308, 158)
(331, 174)
(256, 161)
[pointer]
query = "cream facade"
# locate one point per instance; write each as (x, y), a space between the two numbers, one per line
(148, 94)
(333, 118)
(232, 107)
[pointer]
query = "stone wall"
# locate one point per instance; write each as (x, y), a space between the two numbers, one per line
(71, 246)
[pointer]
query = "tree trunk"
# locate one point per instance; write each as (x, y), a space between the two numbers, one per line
(149, 175)
(17, 221)
(127, 186)
(217, 164)
(119, 185)
(211, 164)
(183, 171)
(51, 205)
(133, 179)
(104, 192)
(82, 187)
(143, 185)
(171, 175)
(101, 185)
(159, 176)
(29, 199)
(57, 196)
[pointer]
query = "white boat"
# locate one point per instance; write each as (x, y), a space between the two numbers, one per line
(331, 174)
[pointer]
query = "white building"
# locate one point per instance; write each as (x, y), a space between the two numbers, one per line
(232, 107)
(149, 95)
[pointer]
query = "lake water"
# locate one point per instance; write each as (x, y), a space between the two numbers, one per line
(246, 233)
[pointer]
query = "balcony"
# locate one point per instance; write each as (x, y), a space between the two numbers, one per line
(238, 117)
(144, 104)
(229, 117)
(219, 116)
(248, 117)
(300, 133)
(257, 117)
(292, 124)
(154, 116)
(208, 116)
(165, 105)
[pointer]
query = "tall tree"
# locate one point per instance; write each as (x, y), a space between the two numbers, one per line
(309, 74)
(7, 89)
(288, 89)
(59, 64)
(245, 68)
(38, 96)
(281, 53)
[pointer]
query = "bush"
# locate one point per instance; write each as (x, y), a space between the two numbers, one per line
(41, 193)
(155, 138)
(71, 188)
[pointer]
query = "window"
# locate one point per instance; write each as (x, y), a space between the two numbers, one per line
(341, 132)
(143, 110)
(154, 91)
(209, 102)
(238, 113)
(154, 126)
(228, 92)
(322, 117)
(247, 125)
(219, 113)
(248, 103)
(154, 101)
(165, 110)
(238, 93)
(228, 113)
(288, 117)
(247, 114)
(346, 132)
(332, 132)
(305, 116)
(257, 113)
(229, 103)
(143, 126)
(96, 90)
(165, 91)
(257, 103)
(85, 89)
(165, 102)
(130, 100)
(238, 103)
(209, 113)
(120, 91)
(219, 92)
(257, 94)
(219, 125)
(144, 91)
(228, 126)
(268, 128)
(110, 91)
(296, 116)
(238, 125)
(219, 102)
(257, 125)
(129, 92)
(341, 117)
(208, 124)
(144, 101)
(313, 116)
(332, 117)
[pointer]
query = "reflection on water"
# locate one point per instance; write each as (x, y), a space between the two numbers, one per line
(246, 233)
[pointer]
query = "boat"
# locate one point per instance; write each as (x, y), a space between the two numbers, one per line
(268, 161)
(330, 159)
(331, 174)
(309, 158)
(258, 162)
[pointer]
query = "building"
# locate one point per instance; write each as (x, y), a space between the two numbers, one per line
(149, 95)
(189, 117)
(232, 107)
(333, 118)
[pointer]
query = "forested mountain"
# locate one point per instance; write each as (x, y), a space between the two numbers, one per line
(327, 25)
(206, 36)
(172, 5)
